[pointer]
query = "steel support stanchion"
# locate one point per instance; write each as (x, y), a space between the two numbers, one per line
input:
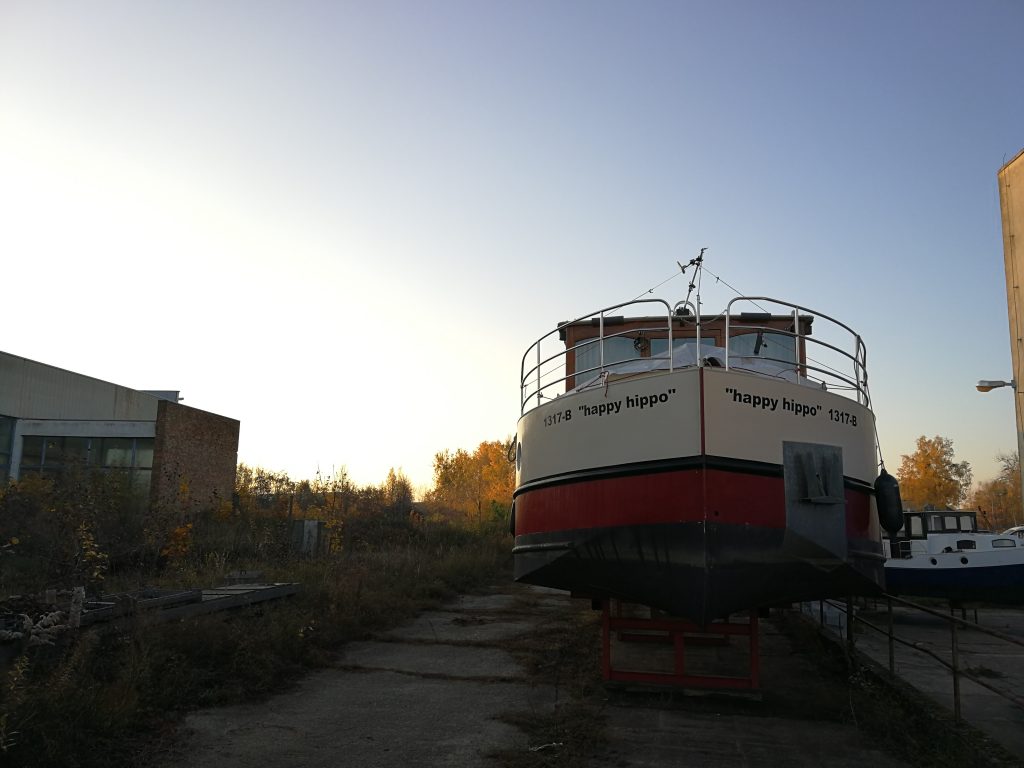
(892, 642)
(849, 627)
(956, 674)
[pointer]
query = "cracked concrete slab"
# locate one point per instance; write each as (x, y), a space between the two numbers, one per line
(432, 692)
(432, 659)
(367, 719)
(449, 627)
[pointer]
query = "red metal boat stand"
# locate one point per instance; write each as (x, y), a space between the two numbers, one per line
(681, 634)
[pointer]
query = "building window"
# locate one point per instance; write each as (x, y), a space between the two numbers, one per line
(112, 452)
(31, 453)
(50, 455)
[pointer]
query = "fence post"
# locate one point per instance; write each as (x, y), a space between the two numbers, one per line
(892, 642)
(956, 673)
(849, 626)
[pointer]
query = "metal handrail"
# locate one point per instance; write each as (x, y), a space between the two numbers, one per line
(543, 373)
(952, 665)
(859, 358)
(524, 374)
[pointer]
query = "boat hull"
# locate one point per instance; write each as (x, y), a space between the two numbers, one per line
(729, 508)
(1001, 584)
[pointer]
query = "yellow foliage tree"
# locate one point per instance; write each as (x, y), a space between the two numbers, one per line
(476, 485)
(931, 476)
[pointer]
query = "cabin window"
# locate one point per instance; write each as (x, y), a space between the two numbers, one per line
(966, 523)
(966, 544)
(660, 346)
(950, 523)
(916, 526)
(617, 349)
(774, 346)
(1000, 543)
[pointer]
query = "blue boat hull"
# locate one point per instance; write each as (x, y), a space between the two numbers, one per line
(1002, 584)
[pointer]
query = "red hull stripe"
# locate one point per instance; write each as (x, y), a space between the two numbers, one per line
(669, 497)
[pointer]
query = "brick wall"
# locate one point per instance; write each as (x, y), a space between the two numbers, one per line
(196, 449)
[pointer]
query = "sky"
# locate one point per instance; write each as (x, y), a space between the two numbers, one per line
(342, 223)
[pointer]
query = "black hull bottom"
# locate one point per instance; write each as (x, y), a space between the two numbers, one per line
(1001, 584)
(697, 571)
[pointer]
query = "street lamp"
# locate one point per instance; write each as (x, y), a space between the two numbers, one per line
(987, 385)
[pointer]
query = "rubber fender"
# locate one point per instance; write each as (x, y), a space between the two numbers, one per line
(890, 506)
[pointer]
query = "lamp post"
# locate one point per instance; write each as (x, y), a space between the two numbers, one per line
(987, 385)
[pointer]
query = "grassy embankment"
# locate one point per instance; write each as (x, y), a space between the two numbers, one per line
(103, 698)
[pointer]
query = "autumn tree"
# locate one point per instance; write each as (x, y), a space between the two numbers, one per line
(930, 475)
(998, 501)
(398, 490)
(261, 489)
(477, 485)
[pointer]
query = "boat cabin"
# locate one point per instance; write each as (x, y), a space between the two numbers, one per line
(917, 525)
(610, 343)
(945, 531)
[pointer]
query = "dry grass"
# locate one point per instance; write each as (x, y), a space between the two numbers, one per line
(104, 699)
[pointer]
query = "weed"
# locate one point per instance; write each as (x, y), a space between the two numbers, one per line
(98, 699)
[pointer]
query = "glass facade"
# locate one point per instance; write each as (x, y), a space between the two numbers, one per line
(49, 455)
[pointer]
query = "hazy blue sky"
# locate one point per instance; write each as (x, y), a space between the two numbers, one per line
(342, 223)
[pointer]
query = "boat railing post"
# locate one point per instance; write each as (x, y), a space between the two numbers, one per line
(671, 349)
(892, 642)
(728, 335)
(538, 373)
(799, 340)
(600, 339)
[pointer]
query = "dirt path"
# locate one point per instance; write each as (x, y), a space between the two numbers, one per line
(433, 692)
(510, 680)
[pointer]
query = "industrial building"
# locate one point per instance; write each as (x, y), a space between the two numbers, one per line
(1011, 202)
(52, 419)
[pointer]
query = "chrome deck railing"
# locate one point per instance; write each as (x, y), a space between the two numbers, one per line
(834, 359)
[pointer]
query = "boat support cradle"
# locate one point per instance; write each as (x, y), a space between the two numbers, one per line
(707, 648)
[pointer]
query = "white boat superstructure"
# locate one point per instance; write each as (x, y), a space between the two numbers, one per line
(941, 553)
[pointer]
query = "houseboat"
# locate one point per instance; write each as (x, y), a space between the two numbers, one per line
(943, 554)
(699, 464)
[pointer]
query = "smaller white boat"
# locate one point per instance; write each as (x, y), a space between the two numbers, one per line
(941, 553)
